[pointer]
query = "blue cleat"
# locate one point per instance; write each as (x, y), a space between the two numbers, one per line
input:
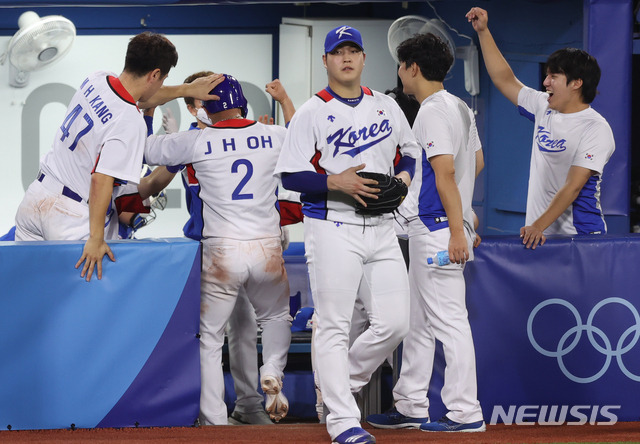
(444, 424)
(355, 435)
(392, 419)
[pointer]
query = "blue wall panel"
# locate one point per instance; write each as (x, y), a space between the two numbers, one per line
(608, 37)
(552, 327)
(109, 352)
(558, 325)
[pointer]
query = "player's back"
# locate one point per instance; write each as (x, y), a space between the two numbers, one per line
(100, 110)
(234, 162)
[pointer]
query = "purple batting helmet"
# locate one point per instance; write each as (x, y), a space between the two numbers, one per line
(230, 93)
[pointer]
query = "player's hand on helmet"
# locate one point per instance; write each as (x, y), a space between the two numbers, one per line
(478, 18)
(169, 123)
(200, 87)
(92, 254)
(355, 186)
(532, 236)
(266, 119)
(458, 248)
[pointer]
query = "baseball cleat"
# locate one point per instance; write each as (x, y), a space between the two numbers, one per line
(256, 418)
(276, 404)
(444, 424)
(355, 435)
(392, 419)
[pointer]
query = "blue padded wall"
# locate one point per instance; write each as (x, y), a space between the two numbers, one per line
(121, 351)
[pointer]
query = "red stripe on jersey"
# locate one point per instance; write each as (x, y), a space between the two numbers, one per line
(324, 95)
(234, 123)
(290, 212)
(95, 165)
(367, 91)
(315, 161)
(398, 156)
(131, 203)
(191, 175)
(120, 90)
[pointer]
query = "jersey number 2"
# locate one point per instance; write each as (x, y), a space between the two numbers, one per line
(68, 121)
(237, 193)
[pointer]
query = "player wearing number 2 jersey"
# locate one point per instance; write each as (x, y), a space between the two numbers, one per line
(233, 159)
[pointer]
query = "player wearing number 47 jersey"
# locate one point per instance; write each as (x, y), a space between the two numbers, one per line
(233, 159)
(99, 145)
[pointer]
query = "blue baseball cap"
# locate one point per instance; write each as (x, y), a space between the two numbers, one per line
(342, 34)
(302, 321)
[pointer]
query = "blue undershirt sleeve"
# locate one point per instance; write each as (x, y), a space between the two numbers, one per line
(406, 163)
(149, 121)
(305, 182)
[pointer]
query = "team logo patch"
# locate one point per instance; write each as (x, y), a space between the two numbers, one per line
(589, 156)
(352, 142)
(343, 31)
(381, 113)
(331, 118)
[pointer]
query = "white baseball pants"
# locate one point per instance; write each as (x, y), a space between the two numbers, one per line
(228, 265)
(46, 214)
(438, 311)
(242, 335)
(340, 258)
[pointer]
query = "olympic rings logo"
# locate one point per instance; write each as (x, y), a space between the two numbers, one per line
(592, 332)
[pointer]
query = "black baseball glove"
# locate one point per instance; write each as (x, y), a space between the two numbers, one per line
(392, 192)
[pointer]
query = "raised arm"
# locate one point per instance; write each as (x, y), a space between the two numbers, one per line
(277, 91)
(499, 70)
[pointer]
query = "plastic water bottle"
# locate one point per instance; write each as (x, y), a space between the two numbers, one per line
(441, 258)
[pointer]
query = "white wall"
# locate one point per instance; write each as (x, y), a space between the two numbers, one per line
(302, 48)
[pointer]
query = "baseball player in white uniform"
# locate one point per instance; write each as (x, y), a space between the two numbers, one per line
(571, 142)
(341, 130)
(440, 218)
(241, 325)
(234, 159)
(99, 145)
